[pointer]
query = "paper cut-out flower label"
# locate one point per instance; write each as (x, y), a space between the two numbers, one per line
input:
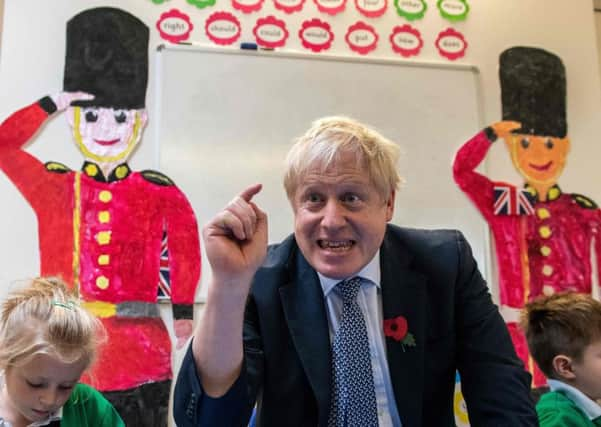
(451, 44)
(174, 26)
(201, 3)
(331, 7)
(397, 329)
(270, 32)
(453, 10)
(247, 6)
(361, 38)
(371, 8)
(411, 9)
(406, 40)
(316, 35)
(223, 28)
(289, 6)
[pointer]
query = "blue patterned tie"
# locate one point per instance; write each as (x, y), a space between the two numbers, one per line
(353, 397)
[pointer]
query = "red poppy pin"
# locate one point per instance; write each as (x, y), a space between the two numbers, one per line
(396, 328)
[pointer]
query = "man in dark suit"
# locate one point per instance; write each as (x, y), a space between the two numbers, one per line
(349, 321)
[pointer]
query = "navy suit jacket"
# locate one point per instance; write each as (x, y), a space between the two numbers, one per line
(430, 278)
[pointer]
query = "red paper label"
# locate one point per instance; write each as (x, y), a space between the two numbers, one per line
(174, 26)
(222, 28)
(270, 32)
(289, 6)
(247, 6)
(316, 35)
(371, 8)
(331, 7)
(361, 38)
(406, 40)
(451, 44)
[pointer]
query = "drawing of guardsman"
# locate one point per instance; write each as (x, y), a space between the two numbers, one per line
(542, 235)
(103, 228)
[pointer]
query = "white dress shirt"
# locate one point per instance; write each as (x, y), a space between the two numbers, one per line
(370, 302)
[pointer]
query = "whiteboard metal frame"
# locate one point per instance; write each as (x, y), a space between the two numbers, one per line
(197, 47)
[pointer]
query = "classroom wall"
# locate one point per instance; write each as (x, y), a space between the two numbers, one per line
(32, 52)
(598, 27)
(1, 20)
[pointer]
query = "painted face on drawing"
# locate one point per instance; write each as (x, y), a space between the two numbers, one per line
(106, 135)
(340, 218)
(538, 159)
(41, 386)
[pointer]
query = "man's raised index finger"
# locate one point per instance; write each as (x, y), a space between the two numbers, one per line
(250, 192)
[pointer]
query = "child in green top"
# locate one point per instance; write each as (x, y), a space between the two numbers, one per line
(564, 336)
(47, 341)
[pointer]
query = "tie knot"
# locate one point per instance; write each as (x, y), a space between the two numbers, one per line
(349, 289)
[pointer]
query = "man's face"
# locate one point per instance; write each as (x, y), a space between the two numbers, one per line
(539, 159)
(339, 218)
(40, 387)
(588, 371)
(106, 135)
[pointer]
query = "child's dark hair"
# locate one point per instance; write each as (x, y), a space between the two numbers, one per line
(563, 323)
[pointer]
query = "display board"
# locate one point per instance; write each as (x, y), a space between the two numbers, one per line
(224, 119)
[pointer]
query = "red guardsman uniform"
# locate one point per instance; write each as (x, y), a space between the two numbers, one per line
(542, 247)
(104, 235)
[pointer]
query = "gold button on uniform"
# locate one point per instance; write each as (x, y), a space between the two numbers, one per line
(105, 196)
(553, 194)
(104, 217)
(103, 237)
(545, 250)
(543, 213)
(547, 270)
(91, 170)
(102, 282)
(544, 232)
(104, 260)
(121, 172)
(548, 290)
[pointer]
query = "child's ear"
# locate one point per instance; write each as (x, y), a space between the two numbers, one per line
(562, 365)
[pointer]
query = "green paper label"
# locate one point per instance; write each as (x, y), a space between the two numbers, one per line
(411, 9)
(453, 10)
(201, 3)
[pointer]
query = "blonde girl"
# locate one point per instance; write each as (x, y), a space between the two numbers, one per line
(47, 341)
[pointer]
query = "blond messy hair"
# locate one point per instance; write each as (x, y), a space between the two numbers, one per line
(330, 137)
(45, 318)
(564, 323)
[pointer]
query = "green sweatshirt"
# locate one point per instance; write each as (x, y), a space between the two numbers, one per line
(88, 408)
(556, 410)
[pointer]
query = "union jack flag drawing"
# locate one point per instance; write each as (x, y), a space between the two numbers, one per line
(512, 201)
(164, 280)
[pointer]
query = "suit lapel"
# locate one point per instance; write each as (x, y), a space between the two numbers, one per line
(404, 294)
(304, 309)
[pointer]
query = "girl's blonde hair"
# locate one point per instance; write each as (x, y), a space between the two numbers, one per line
(330, 137)
(46, 318)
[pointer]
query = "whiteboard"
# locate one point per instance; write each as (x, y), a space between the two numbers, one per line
(224, 119)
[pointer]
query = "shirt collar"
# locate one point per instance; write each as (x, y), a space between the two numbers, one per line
(370, 272)
(92, 170)
(55, 416)
(552, 194)
(590, 408)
